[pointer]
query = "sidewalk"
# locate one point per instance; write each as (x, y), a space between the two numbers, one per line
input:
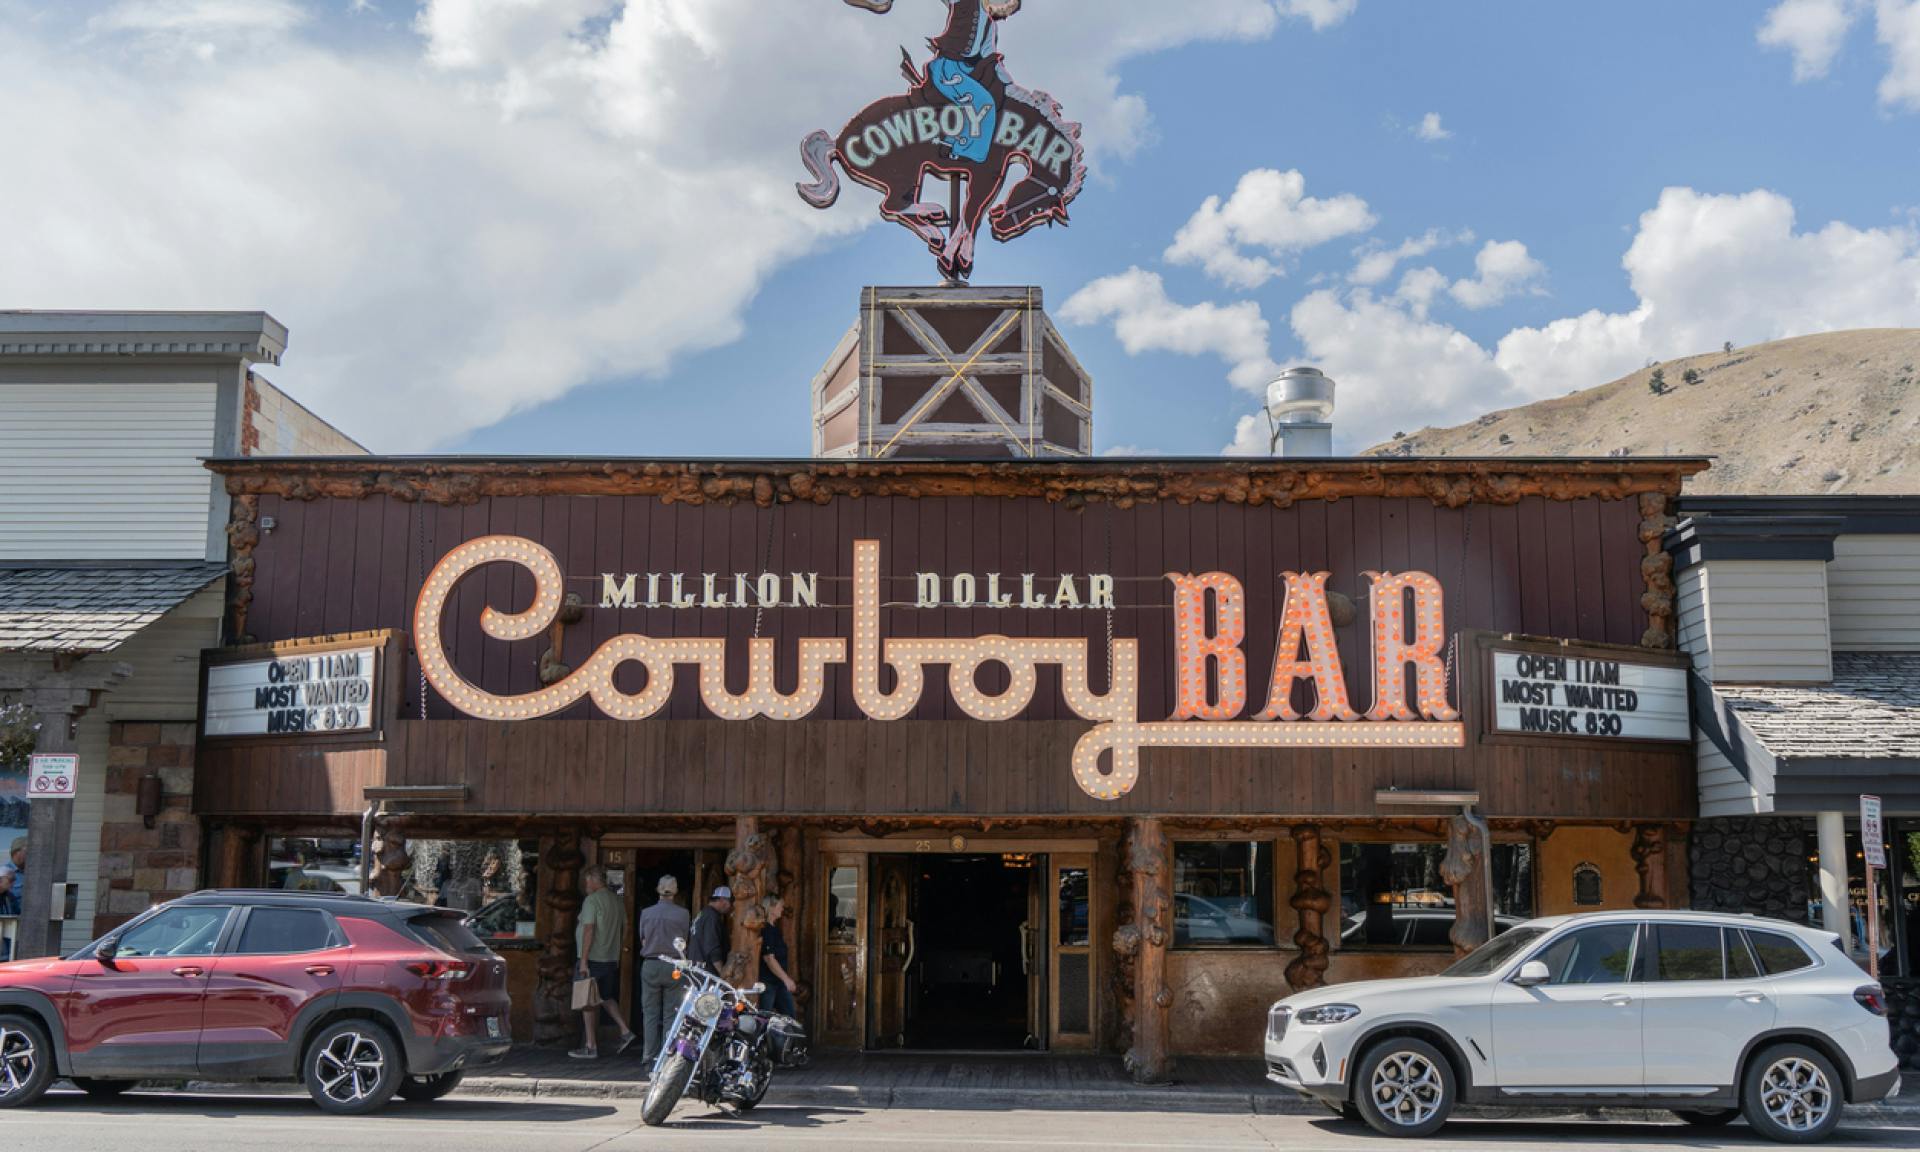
(974, 1082)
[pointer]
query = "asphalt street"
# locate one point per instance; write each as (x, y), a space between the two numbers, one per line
(169, 1122)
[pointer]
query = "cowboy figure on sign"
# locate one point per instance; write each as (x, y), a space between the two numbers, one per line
(964, 121)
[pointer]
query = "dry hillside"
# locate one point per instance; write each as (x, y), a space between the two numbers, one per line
(1836, 413)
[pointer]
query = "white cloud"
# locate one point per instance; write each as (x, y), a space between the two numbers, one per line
(1376, 262)
(1269, 212)
(1502, 269)
(199, 17)
(1419, 288)
(570, 192)
(1322, 14)
(1897, 27)
(1146, 319)
(1709, 269)
(1705, 269)
(1813, 30)
(1431, 130)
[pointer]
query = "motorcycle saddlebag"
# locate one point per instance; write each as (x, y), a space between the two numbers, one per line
(787, 1042)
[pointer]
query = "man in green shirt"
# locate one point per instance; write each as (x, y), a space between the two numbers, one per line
(601, 932)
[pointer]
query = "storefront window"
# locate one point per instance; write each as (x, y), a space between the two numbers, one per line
(1223, 894)
(493, 881)
(1857, 902)
(1075, 929)
(1393, 896)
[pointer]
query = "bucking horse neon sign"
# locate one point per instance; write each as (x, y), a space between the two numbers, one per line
(963, 120)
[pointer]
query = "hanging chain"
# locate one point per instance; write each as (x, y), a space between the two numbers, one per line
(1112, 600)
(766, 565)
(420, 571)
(1453, 643)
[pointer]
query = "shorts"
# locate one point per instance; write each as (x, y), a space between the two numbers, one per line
(606, 977)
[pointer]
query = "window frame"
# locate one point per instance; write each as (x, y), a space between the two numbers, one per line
(1636, 951)
(1333, 879)
(221, 940)
(336, 938)
(1652, 974)
(1279, 894)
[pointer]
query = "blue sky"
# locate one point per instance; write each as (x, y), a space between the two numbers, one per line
(570, 232)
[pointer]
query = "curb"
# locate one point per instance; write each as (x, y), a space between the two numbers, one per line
(1161, 1099)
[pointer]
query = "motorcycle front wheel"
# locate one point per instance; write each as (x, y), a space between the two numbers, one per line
(666, 1090)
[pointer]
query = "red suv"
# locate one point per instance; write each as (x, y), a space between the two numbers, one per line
(358, 998)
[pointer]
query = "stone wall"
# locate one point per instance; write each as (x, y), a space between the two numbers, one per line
(1754, 864)
(142, 866)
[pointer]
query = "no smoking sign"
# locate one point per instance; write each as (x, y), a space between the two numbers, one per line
(52, 777)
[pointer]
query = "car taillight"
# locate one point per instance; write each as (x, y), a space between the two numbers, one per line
(445, 970)
(1871, 998)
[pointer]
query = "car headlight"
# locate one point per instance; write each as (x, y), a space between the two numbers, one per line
(706, 1007)
(1326, 1014)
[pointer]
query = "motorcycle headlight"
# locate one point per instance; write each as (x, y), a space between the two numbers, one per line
(1326, 1014)
(706, 1007)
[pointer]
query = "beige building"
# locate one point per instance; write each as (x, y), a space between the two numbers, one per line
(113, 579)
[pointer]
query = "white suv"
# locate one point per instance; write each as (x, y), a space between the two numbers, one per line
(1707, 1015)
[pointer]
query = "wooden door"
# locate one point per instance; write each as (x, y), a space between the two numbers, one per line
(1035, 954)
(1071, 971)
(894, 946)
(840, 926)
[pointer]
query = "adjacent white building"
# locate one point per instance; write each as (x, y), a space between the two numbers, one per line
(112, 580)
(1802, 617)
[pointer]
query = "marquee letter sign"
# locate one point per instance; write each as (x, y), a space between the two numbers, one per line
(1106, 761)
(962, 118)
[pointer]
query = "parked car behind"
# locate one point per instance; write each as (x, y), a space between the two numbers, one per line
(359, 999)
(1709, 1016)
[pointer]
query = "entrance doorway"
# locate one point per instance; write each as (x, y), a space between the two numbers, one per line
(634, 870)
(964, 951)
(961, 953)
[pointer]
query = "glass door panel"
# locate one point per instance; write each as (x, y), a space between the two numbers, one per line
(842, 932)
(1070, 973)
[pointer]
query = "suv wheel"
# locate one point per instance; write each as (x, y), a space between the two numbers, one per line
(353, 1067)
(1404, 1087)
(1792, 1094)
(26, 1062)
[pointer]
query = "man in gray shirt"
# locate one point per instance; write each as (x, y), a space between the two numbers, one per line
(660, 926)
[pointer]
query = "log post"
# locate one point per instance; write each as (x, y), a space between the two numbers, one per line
(561, 861)
(1149, 861)
(790, 886)
(1650, 861)
(750, 870)
(234, 865)
(394, 858)
(1465, 869)
(1311, 902)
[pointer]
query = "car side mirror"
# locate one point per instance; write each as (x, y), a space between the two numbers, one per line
(107, 949)
(1532, 973)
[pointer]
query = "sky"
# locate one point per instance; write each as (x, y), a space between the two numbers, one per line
(570, 226)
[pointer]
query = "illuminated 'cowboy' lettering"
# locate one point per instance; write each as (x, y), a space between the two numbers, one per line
(1106, 760)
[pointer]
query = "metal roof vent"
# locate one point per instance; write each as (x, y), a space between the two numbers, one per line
(1300, 414)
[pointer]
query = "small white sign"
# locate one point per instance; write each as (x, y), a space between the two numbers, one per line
(1541, 694)
(52, 777)
(1873, 838)
(316, 694)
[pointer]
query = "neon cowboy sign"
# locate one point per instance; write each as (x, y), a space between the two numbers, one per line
(1407, 624)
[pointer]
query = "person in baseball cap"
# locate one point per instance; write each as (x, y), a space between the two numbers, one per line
(709, 946)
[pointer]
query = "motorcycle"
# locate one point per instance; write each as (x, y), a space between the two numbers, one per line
(720, 1048)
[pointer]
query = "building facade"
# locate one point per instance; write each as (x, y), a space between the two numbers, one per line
(1064, 755)
(1802, 618)
(113, 566)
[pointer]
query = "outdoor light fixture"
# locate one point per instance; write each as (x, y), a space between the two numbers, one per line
(1413, 797)
(146, 802)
